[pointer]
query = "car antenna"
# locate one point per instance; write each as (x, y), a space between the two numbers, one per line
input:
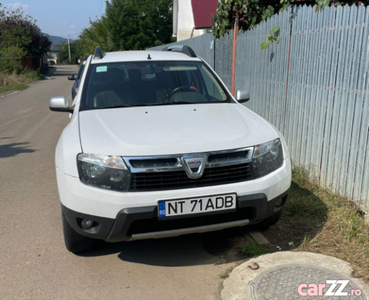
(148, 56)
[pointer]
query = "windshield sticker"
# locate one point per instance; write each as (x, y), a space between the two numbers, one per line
(101, 69)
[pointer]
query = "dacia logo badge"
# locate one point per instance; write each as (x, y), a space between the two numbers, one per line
(194, 165)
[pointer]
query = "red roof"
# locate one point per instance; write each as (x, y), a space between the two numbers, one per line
(203, 10)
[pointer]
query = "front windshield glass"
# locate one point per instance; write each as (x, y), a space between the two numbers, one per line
(126, 84)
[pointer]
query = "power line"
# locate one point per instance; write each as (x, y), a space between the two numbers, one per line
(99, 7)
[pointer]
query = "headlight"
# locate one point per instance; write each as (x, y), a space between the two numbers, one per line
(267, 158)
(103, 171)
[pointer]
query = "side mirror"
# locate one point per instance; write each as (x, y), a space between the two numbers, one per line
(72, 77)
(60, 103)
(242, 96)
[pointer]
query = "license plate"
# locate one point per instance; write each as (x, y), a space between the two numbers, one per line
(196, 205)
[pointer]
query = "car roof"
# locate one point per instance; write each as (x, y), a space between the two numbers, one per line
(143, 55)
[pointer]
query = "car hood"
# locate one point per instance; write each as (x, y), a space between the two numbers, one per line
(171, 129)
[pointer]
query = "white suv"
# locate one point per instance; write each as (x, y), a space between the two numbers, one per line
(158, 147)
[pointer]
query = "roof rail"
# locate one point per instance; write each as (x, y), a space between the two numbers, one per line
(181, 48)
(98, 53)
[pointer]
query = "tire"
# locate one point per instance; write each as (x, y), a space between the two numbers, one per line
(75, 242)
(266, 223)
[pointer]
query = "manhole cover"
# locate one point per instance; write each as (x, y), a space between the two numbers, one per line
(303, 282)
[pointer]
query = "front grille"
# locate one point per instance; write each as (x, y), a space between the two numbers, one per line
(228, 157)
(151, 181)
(153, 163)
(155, 225)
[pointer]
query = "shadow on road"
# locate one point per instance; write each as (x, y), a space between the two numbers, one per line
(13, 149)
(188, 250)
(302, 220)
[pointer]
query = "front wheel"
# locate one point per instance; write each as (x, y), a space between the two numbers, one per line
(75, 242)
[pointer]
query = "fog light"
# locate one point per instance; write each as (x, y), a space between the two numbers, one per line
(87, 224)
(278, 203)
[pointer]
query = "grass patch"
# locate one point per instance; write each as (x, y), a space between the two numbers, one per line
(317, 220)
(13, 87)
(254, 250)
(223, 275)
(19, 82)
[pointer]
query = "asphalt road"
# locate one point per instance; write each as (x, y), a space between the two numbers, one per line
(34, 263)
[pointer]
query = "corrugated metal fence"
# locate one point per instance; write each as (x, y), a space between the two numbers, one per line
(313, 86)
(327, 107)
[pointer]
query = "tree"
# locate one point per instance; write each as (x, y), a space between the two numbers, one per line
(96, 35)
(20, 31)
(138, 24)
(251, 12)
(19, 36)
(128, 25)
(63, 53)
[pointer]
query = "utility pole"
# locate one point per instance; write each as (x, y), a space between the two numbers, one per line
(108, 33)
(235, 32)
(70, 59)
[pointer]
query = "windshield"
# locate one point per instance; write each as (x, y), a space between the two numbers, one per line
(126, 84)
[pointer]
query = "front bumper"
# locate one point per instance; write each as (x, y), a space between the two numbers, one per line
(134, 223)
(107, 204)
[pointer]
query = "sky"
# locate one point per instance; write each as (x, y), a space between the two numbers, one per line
(62, 17)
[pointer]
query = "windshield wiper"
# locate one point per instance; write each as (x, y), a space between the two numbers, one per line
(124, 105)
(152, 104)
(177, 102)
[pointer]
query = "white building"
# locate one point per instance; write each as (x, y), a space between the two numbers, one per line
(192, 17)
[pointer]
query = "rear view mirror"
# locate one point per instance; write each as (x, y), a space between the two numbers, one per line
(242, 96)
(60, 103)
(72, 77)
